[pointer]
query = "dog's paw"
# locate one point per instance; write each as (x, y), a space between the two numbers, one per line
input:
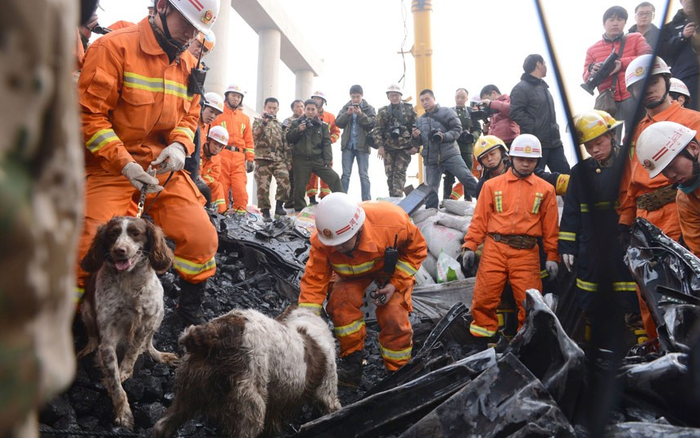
(125, 418)
(171, 359)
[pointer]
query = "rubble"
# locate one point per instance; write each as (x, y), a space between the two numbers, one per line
(537, 386)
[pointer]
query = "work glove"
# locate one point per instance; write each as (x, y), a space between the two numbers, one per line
(171, 159)
(552, 269)
(569, 260)
(624, 236)
(249, 166)
(138, 178)
(468, 257)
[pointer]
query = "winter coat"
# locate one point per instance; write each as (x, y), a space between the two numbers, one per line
(676, 50)
(651, 36)
(446, 121)
(365, 124)
(532, 107)
(501, 125)
(635, 45)
(313, 142)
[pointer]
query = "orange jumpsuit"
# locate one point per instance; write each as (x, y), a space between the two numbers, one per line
(689, 214)
(240, 148)
(384, 221)
(134, 103)
(636, 182)
(210, 171)
(312, 185)
(509, 205)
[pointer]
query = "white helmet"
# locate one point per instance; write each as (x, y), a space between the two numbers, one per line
(638, 69)
(320, 95)
(214, 101)
(234, 88)
(678, 86)
(338, 218)
(150, 4)
(199, 13)
(659, 144)
(219, 134)
(526, 146)
(394, 88)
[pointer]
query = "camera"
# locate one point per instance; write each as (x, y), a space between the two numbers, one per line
(308, 123)
(481, 112)
(435, 135)
(395, 133)
(603, 72)
(269, 116)
(356, 105)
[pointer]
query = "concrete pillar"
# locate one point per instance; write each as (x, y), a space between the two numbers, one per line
(304, 84)
(269, 42)
(217, 76)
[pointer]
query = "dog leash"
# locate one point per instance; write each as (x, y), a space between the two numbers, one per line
(142, 199)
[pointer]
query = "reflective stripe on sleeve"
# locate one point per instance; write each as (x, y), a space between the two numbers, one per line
(100, 139)
(567, 235)
(347, 330)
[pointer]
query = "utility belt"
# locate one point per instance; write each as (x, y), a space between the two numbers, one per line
(517, 241)
(234, 149)
(657, 199)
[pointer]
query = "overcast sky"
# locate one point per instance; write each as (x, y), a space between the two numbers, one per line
(474, 43)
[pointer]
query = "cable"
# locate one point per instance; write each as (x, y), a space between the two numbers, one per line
(404, 17)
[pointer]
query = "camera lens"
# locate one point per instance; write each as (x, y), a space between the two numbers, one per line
(395, 133)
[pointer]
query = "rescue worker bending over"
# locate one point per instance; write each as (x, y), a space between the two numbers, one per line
(210, 166)
(348, 247)
(514, 210)
(641, 196)
(680, 165)
(137, 112)
(311, 152)
(588, 223)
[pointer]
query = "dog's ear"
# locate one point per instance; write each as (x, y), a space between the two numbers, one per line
(159, 253)
(95, 257)
(219, 334)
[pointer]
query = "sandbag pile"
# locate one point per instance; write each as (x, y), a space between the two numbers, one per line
(444, 231)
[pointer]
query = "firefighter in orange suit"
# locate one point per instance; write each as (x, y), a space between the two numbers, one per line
(350, 243)
(672, 149)
(641, 196)
(210, 165)
(329, 119)
(513, 210)
(137, 112)
(238, 157)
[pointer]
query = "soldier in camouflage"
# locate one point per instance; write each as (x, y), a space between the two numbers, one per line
(471, 131)
(392, 136)
(272, 158)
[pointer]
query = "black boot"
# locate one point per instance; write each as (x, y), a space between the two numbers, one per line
(279, 209)
(190, 305)
(312, 200)
(350, 370)
(289, 204)
(266, 215)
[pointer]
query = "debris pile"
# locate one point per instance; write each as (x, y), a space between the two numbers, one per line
(537, 385)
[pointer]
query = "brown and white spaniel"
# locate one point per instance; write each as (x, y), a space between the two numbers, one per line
(124, 301)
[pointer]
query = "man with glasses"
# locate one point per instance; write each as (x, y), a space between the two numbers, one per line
(643, 15)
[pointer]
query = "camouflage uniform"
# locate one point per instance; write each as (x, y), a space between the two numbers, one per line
(272, 157)
(396, 151)
(470, 133)
(41, 200)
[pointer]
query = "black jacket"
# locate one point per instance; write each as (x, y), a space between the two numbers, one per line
(532, 107)
(676, 50)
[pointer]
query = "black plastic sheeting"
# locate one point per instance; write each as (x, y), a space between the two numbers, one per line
(647, 430)
(656, 260)
(396, 408)
(545, 349)
(505, 400)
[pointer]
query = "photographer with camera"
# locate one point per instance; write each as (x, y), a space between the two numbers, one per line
(437, 131)
(271, 158)
(626, 47)
(310, 139)
(356, 119)
(471, 130)
(392, 137)
(500, 123)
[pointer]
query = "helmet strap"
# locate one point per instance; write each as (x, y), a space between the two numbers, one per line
(171, 47)
(656, 104)
(520, 174)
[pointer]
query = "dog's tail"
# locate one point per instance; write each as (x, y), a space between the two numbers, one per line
(219, 334)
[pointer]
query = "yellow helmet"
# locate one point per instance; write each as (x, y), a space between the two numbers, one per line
(609, 120)
(486, 143)
(591, 125)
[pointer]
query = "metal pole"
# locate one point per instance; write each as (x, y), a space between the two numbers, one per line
(422, 52)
